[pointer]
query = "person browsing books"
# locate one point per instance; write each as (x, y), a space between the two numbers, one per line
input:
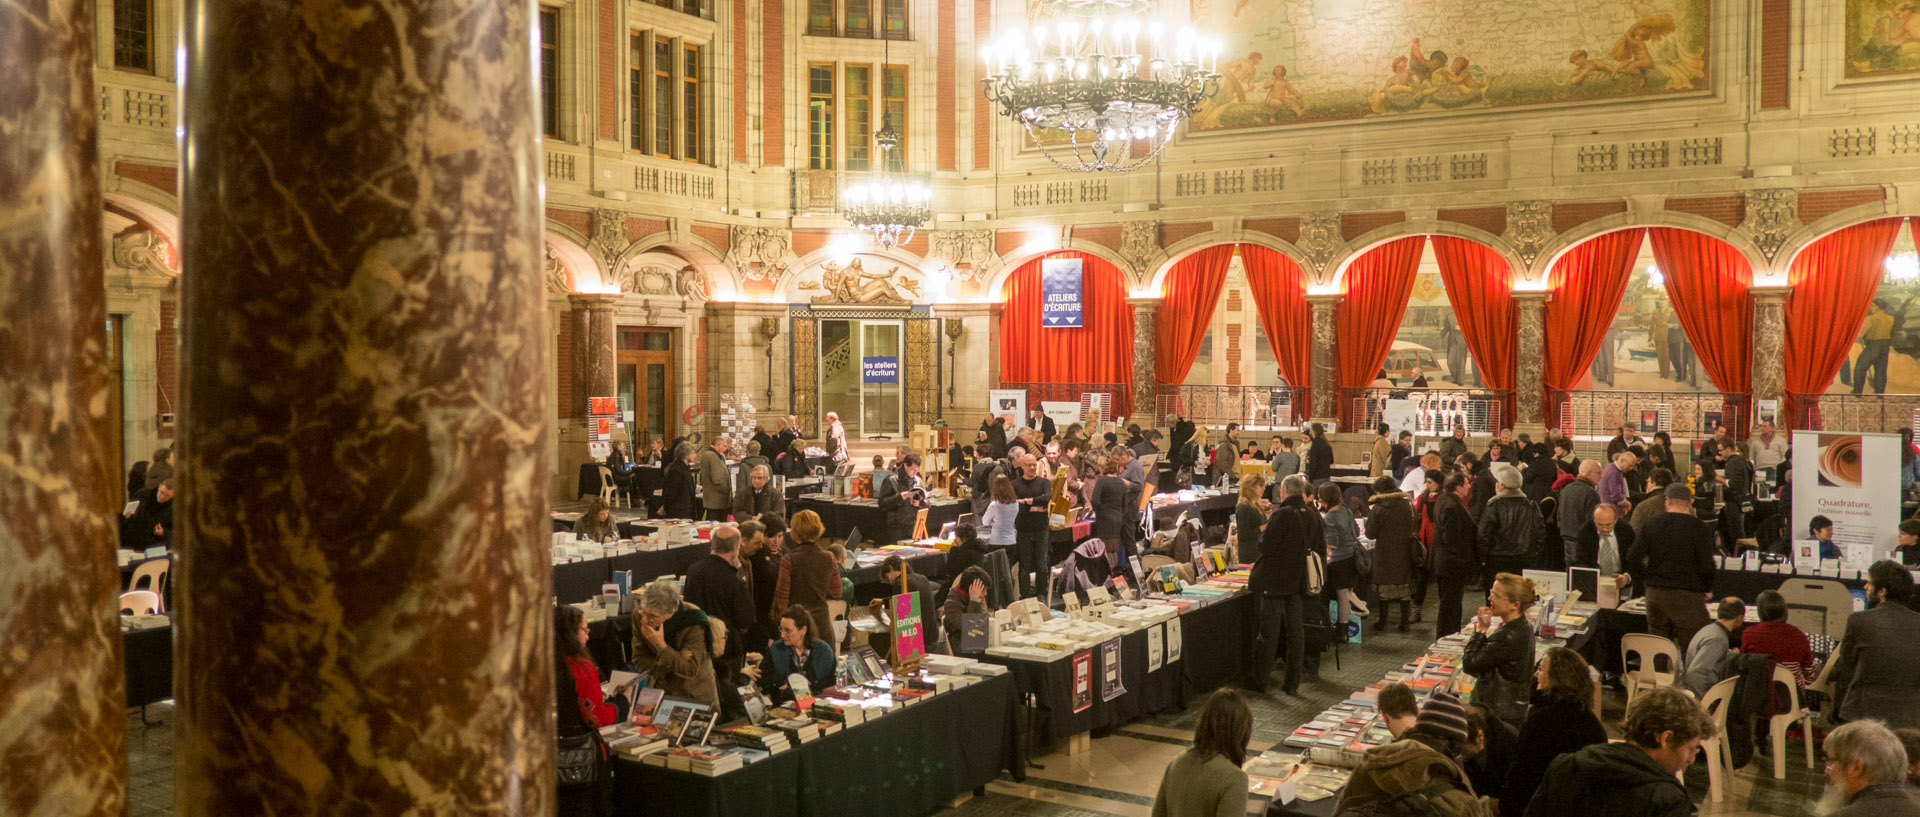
(799, 651)
(1206, 780)
(672, 643)
(582, 708)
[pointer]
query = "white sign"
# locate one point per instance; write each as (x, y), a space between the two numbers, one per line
(1063, 412)
(1854, 480)
(1003, 402)
(1400, 415)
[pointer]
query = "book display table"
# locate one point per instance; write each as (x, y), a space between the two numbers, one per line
(841, 515)
(575, 582)
(910, 761)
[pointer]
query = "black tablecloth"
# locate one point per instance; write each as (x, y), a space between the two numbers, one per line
(1212, 510)
(576, 582)
(1600, 645)
(908, 762)
(1215, 644)
(149, 665)
(840, 518)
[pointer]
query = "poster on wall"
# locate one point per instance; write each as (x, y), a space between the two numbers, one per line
(1401, 415)
(1006, 402)
(1060, 293)
(1063, 412)
(1852, 479)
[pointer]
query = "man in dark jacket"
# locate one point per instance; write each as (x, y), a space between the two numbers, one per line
(1636, 777)
(1577, 501)
(1538, 474)
(150, 523)
(1867, 774)
(1587, 551)
(1481, 475)
(996, 428)
(1877, 673)
(1673, 560)
(1509, 526)
(714, 585)
(1280, 580)
(1319, 467)
(1452, 447)
(1456, 556)
(762, 571)
(1039, 421)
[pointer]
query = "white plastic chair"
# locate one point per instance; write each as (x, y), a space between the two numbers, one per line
(1719, 752)
(609, 492)
(1828, 594)
(152, 575)
(139, 603)
(1777, 726)
(1649, 648)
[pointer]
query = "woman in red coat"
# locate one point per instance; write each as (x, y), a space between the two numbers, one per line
(582, 707)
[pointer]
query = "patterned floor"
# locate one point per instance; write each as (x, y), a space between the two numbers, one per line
(1118, 775)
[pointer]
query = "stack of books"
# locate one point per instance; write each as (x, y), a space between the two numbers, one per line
(633, 743)
(798, 730)
(767, 739)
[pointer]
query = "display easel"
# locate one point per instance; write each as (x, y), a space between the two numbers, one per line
(910, 665)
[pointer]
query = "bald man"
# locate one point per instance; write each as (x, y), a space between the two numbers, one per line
(1604, 542)
(1577, 501)
(1613, 481)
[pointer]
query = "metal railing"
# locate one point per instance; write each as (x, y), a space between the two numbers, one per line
(1253, 406)
(1436, 411)
(1867, 413)
(1688, 415)
(1104, 398)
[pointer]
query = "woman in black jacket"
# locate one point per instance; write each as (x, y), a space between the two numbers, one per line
(677, 491)
(1561, 721)
(1249, 518)
(1502, 662)
(1456, 556)
(1319, 466)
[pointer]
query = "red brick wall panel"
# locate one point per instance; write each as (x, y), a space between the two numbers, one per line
(1818, 204)
(563, 367)
(1491, 219)
(1106, 236)
(161, 177)
(1357, 224)
(773, 92)
(1573, 214)
(1171, 234)
(580, 221)
(946, 114)
(982, 110)
(1285, 229)
(714, 234)
(1776, 52)
(167, 368)
(1728, 210)
(1006, 241)
(806, 241)
(738, 103)
(606, 96)
(638, 228)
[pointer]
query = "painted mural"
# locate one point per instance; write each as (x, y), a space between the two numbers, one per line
(1295, 61)
(1883, 37)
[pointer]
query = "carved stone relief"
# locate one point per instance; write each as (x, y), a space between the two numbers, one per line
(1771, 216)
(609, 235)
(963, 254)
(143, 253)
(1140, 244)
(853, 284)
(758, 253)
(1529, 227)
(554, 272)
(1320, 241)
(647, 279)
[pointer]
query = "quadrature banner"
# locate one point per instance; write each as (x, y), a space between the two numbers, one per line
(1854, 480)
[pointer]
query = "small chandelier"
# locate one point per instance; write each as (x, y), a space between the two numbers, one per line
(887, 205)
(1088, 89)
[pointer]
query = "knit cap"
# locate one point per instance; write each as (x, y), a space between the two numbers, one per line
(1445, 713)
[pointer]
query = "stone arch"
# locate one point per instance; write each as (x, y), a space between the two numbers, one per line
(1036, 249)
(1804, 237)
(1364, 242)
(1182, 249)
(1560, 244)
(147, 204)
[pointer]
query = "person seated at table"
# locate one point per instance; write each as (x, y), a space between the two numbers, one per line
(150, 523)
(1399, 710)
(1502, 661)
(967, 550)
(799, 651)
(1422, 763)
(1774, 636)
(1638, 776)
(672, 643)
(731, 672)
(1206, 780)
(677, 489)
(1820, 529)
(966, 594)
(891, 576)
(617, 464)
(1560, 721)
(582, 708)
(596, 522)
(759, 496)
(1907, 551)
(653, 456)
(1712, 643)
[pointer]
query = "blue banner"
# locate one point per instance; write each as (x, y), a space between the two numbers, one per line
(880, 369)
(1060, 293)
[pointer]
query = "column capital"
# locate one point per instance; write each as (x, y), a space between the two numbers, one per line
(1327, 298)
(592, 300)
(1137, 301)
(1770, 293)
(1535, 296)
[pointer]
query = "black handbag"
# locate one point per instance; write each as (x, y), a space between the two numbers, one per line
(579, 759)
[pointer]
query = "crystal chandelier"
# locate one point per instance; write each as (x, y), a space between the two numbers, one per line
(1099, 78)
(887, 205)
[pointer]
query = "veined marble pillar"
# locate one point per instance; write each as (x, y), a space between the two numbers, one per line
(1770, 344)
(594, 361)
(63, 742)
(365, 621)
(1146, 380)
(1529, 364)
(1326, 380)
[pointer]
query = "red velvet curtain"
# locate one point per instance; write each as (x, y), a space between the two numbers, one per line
(1833, 279)
(1377, 286)
(1100, 351)
(1708, 281)
(1186, 311)
(1480, 287)
(1280, 293)
(1587, 284)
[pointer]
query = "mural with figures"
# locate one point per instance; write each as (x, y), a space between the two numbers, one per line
(1296, 61)
(1883, 37)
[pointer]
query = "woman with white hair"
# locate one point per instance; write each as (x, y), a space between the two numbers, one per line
(1510, 527)
(759, 496)
(673, 644)
(836, 438)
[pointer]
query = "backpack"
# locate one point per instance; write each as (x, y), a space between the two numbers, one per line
(1421, 803)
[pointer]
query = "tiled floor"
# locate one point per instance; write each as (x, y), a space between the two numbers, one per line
(1120, 772)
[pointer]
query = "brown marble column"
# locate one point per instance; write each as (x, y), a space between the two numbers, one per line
(364, 623)
(595, 363)
(1770, 345)
(1146, 381)
(1326, 380)
(1529, 363)
(63, 734)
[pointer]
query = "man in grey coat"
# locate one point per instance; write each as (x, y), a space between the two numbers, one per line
(716, 482)
(1877, 673)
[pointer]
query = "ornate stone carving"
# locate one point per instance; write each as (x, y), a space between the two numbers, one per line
(647, 279)
(963, 254)
(1769, 344)
(1320, 241)
(1529, 227)
(691, 283)
(555, 273)
(1140, 244)
(1529, 358)
(852, 284)
(143, 252)
(761, 245)
(609, 235)
(1771, 216)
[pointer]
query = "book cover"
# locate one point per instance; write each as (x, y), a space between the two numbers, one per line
(1082, 680)
(1111, 685)
(698, 725)
(973, 632)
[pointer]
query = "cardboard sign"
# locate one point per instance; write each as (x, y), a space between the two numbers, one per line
(909, 640)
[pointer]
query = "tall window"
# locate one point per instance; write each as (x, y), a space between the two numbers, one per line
(550, 72)
(894, 89)
(820, 116)
(820, 18)
(859, 128)
(859, 18)
(690, 103)
(133, 35)
(896, 19)
(637, 91)
(663, 97)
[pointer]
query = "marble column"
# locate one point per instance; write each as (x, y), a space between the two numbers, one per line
(1529, 363)
(1146, 380)
(594, 361)
(365, 621)
(1326, 380)
(63, 737)
(1770, 345)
